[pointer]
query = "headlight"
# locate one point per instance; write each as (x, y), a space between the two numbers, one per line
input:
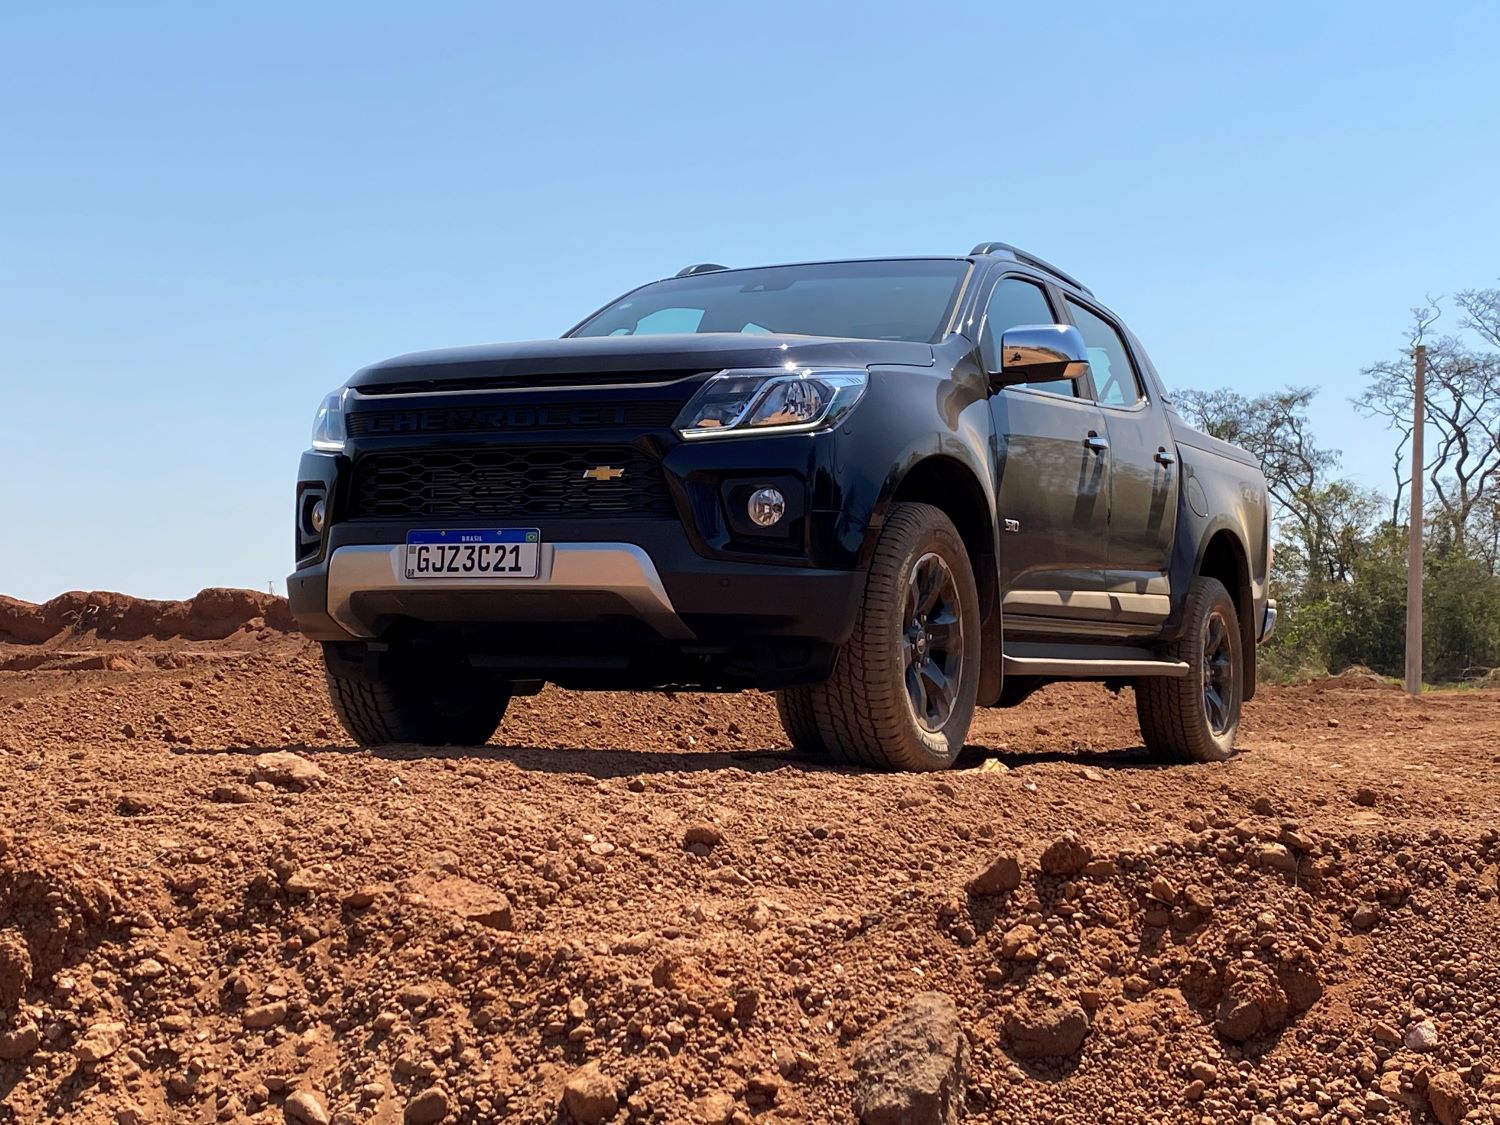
(791, 400)
(328, 424)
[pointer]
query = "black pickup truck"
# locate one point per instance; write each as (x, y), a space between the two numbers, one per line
(888, 490)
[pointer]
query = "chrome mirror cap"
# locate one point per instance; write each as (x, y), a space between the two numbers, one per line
(1042, 353)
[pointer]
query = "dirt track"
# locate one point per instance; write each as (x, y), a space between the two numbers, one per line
(190, 931)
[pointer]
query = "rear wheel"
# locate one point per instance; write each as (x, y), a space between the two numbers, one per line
(902, 692)
(412, 699)
(1194, 718)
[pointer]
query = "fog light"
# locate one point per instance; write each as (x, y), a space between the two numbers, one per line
(317, 516)
(766, 507)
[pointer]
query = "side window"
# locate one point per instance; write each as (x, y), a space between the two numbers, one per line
(1017, 302)
(1115, 380)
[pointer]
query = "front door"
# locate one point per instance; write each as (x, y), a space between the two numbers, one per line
(1052, 497)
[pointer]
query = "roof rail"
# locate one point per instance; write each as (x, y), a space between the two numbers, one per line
(701, 267)
(1006, 250)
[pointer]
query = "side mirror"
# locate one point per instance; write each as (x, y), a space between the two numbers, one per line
(1041, 353)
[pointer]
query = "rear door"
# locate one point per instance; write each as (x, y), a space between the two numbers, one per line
(1052, 495)
(1143, 478)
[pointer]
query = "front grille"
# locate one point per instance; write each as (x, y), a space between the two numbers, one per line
(505, 382)
(509, 483)
(513, 418)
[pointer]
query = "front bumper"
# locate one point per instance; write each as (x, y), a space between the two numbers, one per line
(612, 612)
(1268, 623)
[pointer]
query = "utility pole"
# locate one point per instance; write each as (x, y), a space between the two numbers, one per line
(1414, 534)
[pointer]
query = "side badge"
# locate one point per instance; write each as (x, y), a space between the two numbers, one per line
(1012, 525)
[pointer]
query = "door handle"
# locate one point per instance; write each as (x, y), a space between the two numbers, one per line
(1165, 458)
(1095, 442)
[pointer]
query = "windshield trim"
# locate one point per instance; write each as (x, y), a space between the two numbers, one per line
(948, 324)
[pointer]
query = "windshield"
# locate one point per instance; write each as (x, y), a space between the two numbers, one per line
(886, 300)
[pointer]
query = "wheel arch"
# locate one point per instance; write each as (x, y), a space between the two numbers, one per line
(1223, 556)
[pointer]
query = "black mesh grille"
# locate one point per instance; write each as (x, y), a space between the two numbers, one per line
(502, 382)
(509, 482)
(514, 418)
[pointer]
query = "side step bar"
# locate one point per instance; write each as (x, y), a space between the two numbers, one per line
(1088, 662)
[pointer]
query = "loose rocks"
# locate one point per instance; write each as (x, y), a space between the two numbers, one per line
(1041, 1028)
(1066, 856)
(590, 1095)
(911, 1071)
(15, 968)
(1002, 876)
(287, 771)
(306, 1108)
(427, 1108)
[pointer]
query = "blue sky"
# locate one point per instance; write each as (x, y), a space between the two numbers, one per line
(211, 214)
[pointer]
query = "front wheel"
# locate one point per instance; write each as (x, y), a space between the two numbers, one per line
(409, 698)
(903, 689)
(1194, 718)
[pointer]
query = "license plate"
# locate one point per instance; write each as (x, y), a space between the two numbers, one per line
(511, 553)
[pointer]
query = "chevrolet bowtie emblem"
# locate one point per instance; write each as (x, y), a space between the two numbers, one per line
(603, 472)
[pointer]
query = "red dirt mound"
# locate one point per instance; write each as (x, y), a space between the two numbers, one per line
(212, 614)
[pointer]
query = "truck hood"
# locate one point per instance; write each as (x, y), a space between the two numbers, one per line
(652, 357)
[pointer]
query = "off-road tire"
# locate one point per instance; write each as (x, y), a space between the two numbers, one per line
(413, 700)
(1173, 711)
(862, 714)
(794, 708)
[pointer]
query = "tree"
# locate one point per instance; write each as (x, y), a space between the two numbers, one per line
(1463, 407)
(1320, 512)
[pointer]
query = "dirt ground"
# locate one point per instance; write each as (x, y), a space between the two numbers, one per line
(641, 908)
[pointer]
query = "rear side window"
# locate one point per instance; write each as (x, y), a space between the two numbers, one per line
(1013, 303)
(1115, 380)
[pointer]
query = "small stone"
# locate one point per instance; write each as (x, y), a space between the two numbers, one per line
(1041, 1029)
(1364, 796)
(362, 898)
(1066, 856)
(286, 770)
(912, 1070)
(135, 804)
(1020, 943)
(232, 795)
(1422, 1036)
(264, 1015)
(303, 881)
(702, 838)
(427, 1108)
(15, 968)
(99, 1042)
(761, 1089)
(1253, 1003)
(148, 968)
(1002, 876)
(590, 1096)
(305, 1107)
(1386, 1033)
(471, 901)
(1277, 856)
(1204, 1071)
(1365, 916)
(1449, 1097)
(20, 1041)
(1162, 891)
(714, 1108)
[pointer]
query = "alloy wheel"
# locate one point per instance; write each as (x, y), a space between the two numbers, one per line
(932, 642)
